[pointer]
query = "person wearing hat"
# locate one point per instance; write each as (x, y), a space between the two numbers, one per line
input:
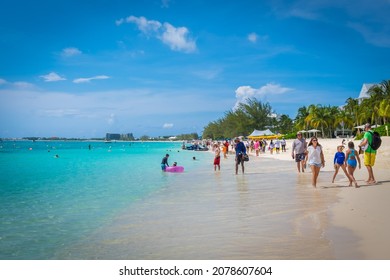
(299, 151)
(339, 161)
(369, 153)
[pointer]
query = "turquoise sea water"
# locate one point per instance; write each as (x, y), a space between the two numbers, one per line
(47, 203)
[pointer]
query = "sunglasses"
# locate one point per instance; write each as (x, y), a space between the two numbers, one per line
(314, 140)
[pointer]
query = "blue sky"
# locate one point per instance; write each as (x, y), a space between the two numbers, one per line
(166, 67)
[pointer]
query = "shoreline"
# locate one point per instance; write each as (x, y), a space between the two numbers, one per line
(270, 212)
(358, 225)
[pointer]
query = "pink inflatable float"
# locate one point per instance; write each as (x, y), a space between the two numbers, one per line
(174, 169)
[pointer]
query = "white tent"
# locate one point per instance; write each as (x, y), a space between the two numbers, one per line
(363, 126)
(313, 131)
(262, 134)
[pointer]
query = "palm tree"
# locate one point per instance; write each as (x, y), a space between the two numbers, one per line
(344, 118)
(378, 93)
(318, 117)
(352, 107)
(300, 119)
(284, 124)
(365, 112)
(384, 109)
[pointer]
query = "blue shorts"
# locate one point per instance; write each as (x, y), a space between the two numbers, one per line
(299, 157)
(163, 166)
(316, 164)
(352, 163)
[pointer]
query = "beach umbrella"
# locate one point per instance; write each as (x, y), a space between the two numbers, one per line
(314, 131)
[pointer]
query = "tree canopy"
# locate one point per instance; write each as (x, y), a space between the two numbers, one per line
(254, 114)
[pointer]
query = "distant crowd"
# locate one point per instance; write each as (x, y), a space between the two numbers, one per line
(306, 154)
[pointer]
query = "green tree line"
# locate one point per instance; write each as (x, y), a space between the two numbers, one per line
(254, 114)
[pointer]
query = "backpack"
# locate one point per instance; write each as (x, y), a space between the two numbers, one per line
(376, 140)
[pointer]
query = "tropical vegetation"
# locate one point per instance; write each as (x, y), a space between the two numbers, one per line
(254, 114)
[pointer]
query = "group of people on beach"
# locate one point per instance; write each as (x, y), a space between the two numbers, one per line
(304, 154)
(312, 154)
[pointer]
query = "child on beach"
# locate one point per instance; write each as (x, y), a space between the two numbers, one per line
(353, 158)
(225, 147)
(339, 161)
(217, 157)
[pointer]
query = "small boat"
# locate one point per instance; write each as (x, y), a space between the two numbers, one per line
(197, 148)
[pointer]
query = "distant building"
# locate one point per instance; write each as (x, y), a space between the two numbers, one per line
(113, 136)
(364, 92)
(117, 136)
(127, 137)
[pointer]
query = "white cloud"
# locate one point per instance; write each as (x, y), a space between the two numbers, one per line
(168, 125)
(111, 119)
(165, 3)
(143, 24)
(59, 113)
(23, 85)
(207, 74)
(68, 52)
(270, 89)
(374, 37)
(253, 37)
(52, 77)
(87, 80)
(17, 85)
(177, 38)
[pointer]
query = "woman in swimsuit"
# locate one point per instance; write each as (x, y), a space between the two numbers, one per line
(353, 159)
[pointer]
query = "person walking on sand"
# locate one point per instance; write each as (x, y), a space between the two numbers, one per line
(315, 159)
(339, 162)
(271, 147)
(257, 147)
(369, 153)
(277, 145)
(283, 143)
(217, 157)
(240, 152)
(353, 159)
(298, 152)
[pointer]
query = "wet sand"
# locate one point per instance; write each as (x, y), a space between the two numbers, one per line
(358, 225)
(271, 212)
(268, 213)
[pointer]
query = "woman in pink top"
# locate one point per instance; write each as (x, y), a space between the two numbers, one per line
(257, 147)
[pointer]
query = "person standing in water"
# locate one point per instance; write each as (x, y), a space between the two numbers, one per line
(217, 157)
(240, 152)
(164, 162)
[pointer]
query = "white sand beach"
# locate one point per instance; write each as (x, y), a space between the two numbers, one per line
(270, 212)
(358, 225)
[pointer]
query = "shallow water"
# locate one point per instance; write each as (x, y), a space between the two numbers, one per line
(48, 203)
(268, 213)
(113, 202)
